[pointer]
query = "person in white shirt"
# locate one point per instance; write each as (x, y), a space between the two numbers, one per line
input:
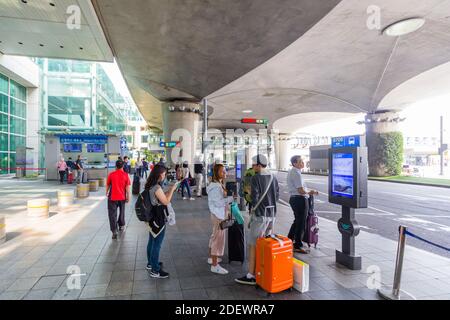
(298, 200)
(185, 181)
(218, 206)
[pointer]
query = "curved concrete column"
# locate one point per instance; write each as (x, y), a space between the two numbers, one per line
(181, 122)
(282, 154)
(377, 123)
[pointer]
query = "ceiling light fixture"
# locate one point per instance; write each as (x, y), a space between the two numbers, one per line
(403, 27)
(24, 1)
(52, 4)
(247, 111)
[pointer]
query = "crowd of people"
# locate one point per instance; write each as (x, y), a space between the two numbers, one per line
(261, 194)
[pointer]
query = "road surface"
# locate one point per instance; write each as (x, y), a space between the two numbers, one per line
(424, 210)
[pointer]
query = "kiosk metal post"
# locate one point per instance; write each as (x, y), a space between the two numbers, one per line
(347, 186)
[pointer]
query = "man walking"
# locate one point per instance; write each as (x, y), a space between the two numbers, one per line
(79, 169)
(265, 193)
(126, 165)
(118, 193)
(198, 172)
(298, 200)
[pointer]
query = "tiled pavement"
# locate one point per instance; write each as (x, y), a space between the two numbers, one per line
(34, 261)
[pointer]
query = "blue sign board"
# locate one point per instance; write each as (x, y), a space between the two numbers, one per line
(169, 144)
(123, 143)
(73, 138)
(349, 141)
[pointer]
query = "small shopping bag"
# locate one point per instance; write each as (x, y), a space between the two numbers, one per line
(301, 275)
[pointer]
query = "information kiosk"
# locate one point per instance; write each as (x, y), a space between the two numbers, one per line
(347, 186)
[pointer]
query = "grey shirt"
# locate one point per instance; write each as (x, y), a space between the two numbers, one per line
(259, 183)
(295, 181)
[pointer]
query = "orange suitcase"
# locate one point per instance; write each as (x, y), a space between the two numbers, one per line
(274, 264)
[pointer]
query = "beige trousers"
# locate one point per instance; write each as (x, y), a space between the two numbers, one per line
(217, 239)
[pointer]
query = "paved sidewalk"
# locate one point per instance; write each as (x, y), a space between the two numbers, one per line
(34, 261)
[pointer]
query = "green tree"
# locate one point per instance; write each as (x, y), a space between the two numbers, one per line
(389, 152)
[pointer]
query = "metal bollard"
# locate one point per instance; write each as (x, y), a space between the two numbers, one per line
(394, 294)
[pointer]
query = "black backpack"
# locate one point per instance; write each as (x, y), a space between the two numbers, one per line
(143, 206)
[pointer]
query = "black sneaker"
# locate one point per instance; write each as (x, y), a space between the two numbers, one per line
(245, 280)
(161, 274)
(300, 250)
(114, 236)
(149, 266)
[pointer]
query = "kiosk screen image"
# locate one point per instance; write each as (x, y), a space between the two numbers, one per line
(94, 147)
(72, 147)
(342, 175)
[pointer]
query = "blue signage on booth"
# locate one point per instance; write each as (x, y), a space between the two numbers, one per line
(73, 138)
(349, 141)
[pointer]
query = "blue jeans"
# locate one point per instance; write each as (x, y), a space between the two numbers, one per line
(185, 184)
(153, 248)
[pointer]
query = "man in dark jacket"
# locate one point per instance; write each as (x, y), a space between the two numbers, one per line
(262, 216)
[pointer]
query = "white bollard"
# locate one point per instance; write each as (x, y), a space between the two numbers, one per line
(82, 190)
(38, 208)
(65, 198)
(93, 185)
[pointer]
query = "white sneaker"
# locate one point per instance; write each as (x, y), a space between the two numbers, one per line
(191, 198)
(210, 260)
(184, 198)
(218, 269)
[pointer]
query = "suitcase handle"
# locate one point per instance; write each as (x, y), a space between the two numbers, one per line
(275, 237)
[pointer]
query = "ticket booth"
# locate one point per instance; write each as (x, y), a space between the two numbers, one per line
(96, 151)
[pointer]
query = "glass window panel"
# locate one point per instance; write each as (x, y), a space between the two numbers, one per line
(18, 108)
(3, 122)
(66, 111)
(3, 163)
(3, 142)
(16, 141)
(3, 103)
(3, 84)
(18, 126)
(12, 163)
(81, 66)
(58, 65)
(18, 91)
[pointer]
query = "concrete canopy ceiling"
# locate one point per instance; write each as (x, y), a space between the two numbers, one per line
(38, 29)
(340, 65)
(188, 49)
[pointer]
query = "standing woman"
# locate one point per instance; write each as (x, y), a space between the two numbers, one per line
(157, 225)
(218, 204)
(62, 168)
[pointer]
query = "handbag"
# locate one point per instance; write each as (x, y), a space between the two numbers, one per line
(225, 224)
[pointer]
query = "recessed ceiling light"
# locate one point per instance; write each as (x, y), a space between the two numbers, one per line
(247, 111)
(24, 1)
(403, 27)
(20, 42)
(81, 48)
(41, 45)
(61, 47)
(52, 4)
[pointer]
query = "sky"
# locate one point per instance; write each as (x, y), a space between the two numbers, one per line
(422, 120)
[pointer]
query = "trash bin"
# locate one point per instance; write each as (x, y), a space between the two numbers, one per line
(102, 182)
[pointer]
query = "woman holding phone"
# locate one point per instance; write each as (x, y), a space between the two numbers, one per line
(157, 226)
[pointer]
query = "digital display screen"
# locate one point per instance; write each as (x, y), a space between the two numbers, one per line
(342, 175)
(95, 147)
(72, 147)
